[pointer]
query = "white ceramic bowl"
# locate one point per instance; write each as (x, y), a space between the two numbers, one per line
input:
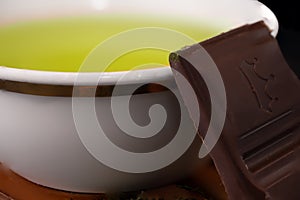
(38, 137)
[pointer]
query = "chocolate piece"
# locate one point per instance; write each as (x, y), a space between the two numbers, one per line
(170, 192)
(257, 155)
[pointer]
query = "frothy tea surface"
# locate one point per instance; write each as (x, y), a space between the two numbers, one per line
(63, 44)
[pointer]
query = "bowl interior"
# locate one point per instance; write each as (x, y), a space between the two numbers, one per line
(225, 14)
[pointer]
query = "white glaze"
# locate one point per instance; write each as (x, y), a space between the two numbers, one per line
(38, 139)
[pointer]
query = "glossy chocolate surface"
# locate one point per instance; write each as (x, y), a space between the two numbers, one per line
(257, 155)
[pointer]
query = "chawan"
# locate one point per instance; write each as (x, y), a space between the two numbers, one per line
(39, 137)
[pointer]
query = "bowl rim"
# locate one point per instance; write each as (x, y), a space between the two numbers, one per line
(159, 74)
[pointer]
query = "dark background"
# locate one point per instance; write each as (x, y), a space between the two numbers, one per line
(288, 14)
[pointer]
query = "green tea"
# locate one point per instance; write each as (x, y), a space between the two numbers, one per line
(63, 44)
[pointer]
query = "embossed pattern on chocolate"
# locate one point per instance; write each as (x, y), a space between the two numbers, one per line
(257, 155)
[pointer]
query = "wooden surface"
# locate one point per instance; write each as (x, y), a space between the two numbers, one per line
(200, 186)
(4, 197)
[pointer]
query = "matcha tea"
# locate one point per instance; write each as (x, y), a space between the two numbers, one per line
(63, 44)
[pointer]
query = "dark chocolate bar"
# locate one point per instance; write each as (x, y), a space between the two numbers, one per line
(257, 155)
